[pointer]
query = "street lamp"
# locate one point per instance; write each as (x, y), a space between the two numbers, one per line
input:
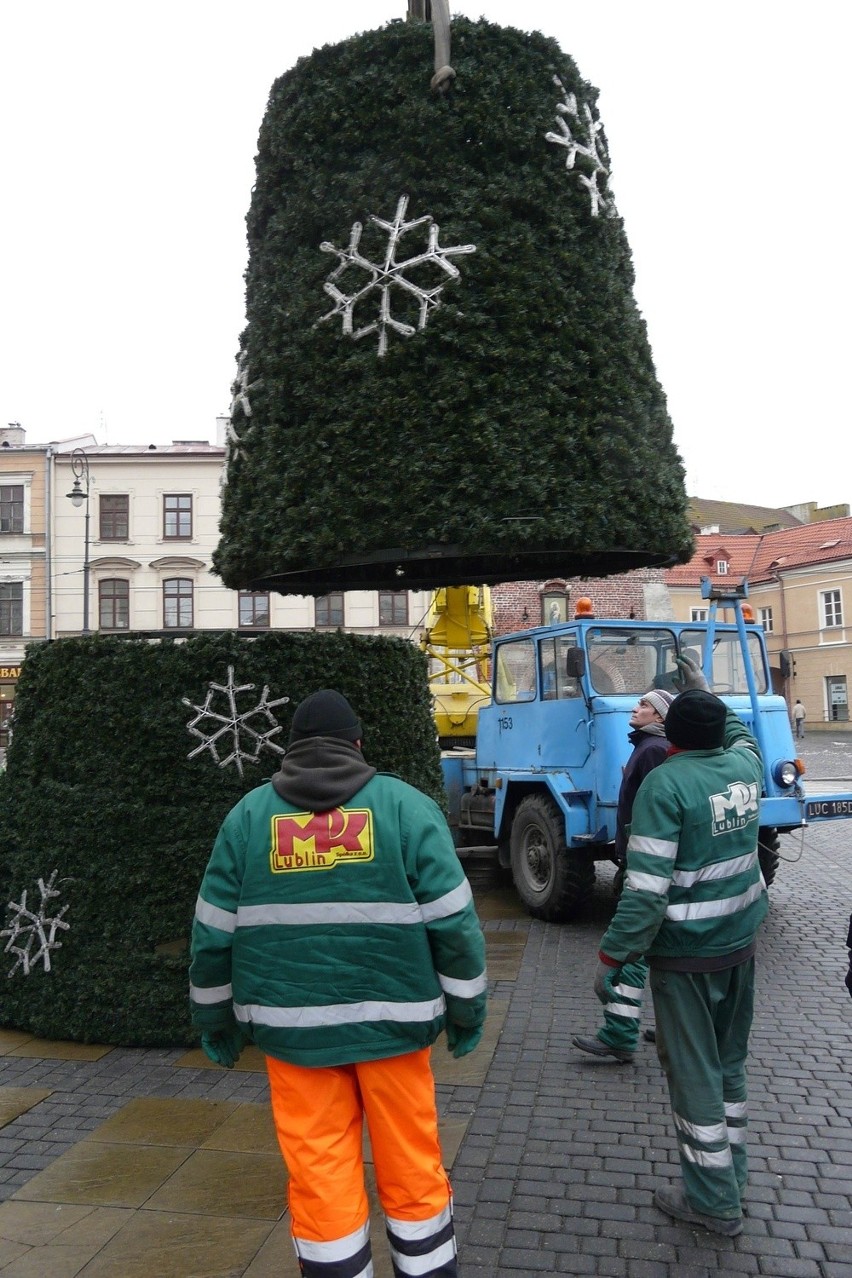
(78, 495)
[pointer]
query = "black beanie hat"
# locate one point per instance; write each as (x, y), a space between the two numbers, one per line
(325, 714)
(696, 721)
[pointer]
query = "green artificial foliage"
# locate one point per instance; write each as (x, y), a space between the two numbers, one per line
(99, 788)
(522, 433)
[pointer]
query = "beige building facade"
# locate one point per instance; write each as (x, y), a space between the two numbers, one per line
(23, 567)
(146, 551)
(800, 588)
(153, 528)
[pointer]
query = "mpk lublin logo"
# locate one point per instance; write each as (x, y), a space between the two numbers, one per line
(321, 840)
(735, 808)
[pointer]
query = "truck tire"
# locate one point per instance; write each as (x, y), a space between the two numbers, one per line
(768, 844)
(553, 882)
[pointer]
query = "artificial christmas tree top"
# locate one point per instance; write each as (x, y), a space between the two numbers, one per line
(467, 393)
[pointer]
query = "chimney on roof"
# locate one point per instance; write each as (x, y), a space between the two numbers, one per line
(13, 434)
(222, 424)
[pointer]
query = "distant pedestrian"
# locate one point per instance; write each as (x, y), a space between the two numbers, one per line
(693, 900)
(335, 929)
(799, 717)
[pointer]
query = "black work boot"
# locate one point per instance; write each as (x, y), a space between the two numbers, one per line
(597, 1048)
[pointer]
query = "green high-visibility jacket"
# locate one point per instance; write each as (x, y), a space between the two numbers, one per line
(338, 936)
(693, 893)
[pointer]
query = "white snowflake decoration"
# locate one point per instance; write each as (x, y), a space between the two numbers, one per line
(32, 934)
(242, 386)
(235, 723)
(593, 150)
(389, 274)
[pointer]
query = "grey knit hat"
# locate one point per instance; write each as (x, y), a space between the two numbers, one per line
(660, 700)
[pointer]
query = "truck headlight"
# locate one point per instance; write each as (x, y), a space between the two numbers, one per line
(785, 772)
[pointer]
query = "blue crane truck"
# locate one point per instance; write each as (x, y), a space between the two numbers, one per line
(542, 782)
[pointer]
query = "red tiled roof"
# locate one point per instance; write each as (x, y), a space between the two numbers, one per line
(739, 553)
(758, 557)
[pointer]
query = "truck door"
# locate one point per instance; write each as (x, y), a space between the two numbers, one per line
(537, 718)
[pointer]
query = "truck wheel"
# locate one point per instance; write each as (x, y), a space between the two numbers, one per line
(768, 844)
(553, 882)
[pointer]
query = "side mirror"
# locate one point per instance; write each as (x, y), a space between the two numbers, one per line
(575, 663)
(784, 664)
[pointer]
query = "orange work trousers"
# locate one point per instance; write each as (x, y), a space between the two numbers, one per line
(319, 1115)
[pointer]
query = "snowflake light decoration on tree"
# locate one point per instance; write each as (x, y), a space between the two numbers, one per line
(235, 724)
(242, 386)
(389, 274)
(32, 934)
(240, 399)
(593, 151)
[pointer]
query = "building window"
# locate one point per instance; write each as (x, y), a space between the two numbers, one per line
(114, 604)
(11, 608)
(832, 609)
(698, 614)
(328, 609)
(393, 608)
(177, 603)
(721, 567)
(12, 508)
(254, 609)
(114, 517)
(177, 516)
(765, 615)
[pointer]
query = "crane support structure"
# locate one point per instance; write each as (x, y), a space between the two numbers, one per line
(457, 641)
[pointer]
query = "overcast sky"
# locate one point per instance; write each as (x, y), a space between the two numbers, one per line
(127, 139)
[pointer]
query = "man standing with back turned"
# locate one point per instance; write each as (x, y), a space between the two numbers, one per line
(693, 900)
(335, 929)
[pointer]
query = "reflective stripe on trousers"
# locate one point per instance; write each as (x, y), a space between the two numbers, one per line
(703, 1024)
(319, 1115)
(622, 1013)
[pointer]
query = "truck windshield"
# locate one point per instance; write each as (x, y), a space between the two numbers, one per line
(729, 672)
(630, 661)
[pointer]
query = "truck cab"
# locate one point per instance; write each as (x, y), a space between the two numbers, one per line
(543, 780)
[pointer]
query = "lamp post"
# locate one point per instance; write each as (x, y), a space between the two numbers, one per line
(78, 495)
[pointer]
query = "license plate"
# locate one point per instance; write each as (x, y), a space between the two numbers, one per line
(829, 808)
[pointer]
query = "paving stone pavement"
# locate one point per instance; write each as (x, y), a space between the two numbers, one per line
(561, 1153)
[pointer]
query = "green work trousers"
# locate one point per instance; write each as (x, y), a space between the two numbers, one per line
(703, 1024)
(622, 1012)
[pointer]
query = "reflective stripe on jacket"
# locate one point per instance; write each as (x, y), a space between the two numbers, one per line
(337, 937)
(693, 887)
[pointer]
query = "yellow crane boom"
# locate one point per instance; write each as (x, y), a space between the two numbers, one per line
(457, 641)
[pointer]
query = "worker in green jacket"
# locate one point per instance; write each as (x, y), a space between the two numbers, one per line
(693, 900)
(336, 930)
